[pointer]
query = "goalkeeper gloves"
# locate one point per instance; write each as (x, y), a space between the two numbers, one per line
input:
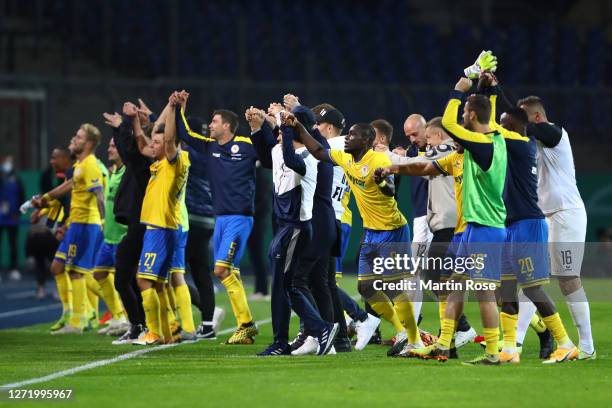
(486, 61)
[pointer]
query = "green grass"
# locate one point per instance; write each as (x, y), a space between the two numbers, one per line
(211, 374)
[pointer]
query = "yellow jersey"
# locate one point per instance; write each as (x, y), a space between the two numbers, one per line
(347, 215)
(378, 211)
(452, 165)
(87, 178)
(162, 200)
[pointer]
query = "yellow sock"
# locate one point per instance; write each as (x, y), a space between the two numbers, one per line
(171, 297)
(491, 335)
(508, 325)
(110, 296)
(441, 311)
(556, 327)
(94, 293)
(236, 272)
(79, 300)
(238, 299)
(64, 291)
(387, 312)
(164, 317)
(183, 303)
(405, 312)
(447, 329)
(537, 324)
(150, 303)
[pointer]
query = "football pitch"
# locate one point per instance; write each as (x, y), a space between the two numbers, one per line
(210, 374)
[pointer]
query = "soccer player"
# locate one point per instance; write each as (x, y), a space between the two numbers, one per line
(560, 201)
(442, 210)
(201, 226)
(161, 215)
(42, 243)
(84, 235)
(231, 166)
(326, 236)
(104, 271)
(383, 224)
(525, 260)
(484, 174)
(127, 209)
(295, 178)
(414, 129)
(330, 123)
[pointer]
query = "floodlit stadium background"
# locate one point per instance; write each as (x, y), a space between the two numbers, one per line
(65, 62)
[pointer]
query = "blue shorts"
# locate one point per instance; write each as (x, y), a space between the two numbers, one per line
(380, 245)
(480, 253)
(62, 249)
(156, 256)
(451, 253)
(230, 239)
(105, 260)
(178, 259)
(80, 246)
(526, 252)
(344, 241)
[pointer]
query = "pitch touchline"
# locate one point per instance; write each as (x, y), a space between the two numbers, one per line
(101, 363)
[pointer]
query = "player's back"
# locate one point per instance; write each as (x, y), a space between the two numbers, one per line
(557, 189)
(520, 193)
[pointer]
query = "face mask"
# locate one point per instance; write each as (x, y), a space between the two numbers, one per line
(7, 167)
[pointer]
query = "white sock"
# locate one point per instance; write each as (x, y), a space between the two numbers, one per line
(526, 311)
(581, 315)
(416, 307)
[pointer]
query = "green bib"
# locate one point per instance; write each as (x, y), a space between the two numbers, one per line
(483, 201)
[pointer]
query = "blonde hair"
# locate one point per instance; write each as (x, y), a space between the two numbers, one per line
(92, 132)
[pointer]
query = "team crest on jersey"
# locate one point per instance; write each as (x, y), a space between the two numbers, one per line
(364, 170)
(77, 172)
(235, 148)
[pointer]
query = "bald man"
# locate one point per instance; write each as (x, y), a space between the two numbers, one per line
(414, 129)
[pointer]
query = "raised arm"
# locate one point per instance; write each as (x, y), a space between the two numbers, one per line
(478, 144)
(315, 148)
(190, 136)
(547, 133)
(131, 112)
(170, 131)
(261, 135)
(292, 160)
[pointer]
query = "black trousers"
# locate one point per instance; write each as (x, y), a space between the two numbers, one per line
(12, 232)
(197, 256)
(126, 268)
(41, 246)
(256, 251)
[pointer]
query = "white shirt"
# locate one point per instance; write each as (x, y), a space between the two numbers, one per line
(557, 189)
(285, 179)
(340, 185)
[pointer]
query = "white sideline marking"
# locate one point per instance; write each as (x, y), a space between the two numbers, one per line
(100, 363)
(29, 310)
(21, 295)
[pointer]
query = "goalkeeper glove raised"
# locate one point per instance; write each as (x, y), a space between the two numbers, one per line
(486, 61)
